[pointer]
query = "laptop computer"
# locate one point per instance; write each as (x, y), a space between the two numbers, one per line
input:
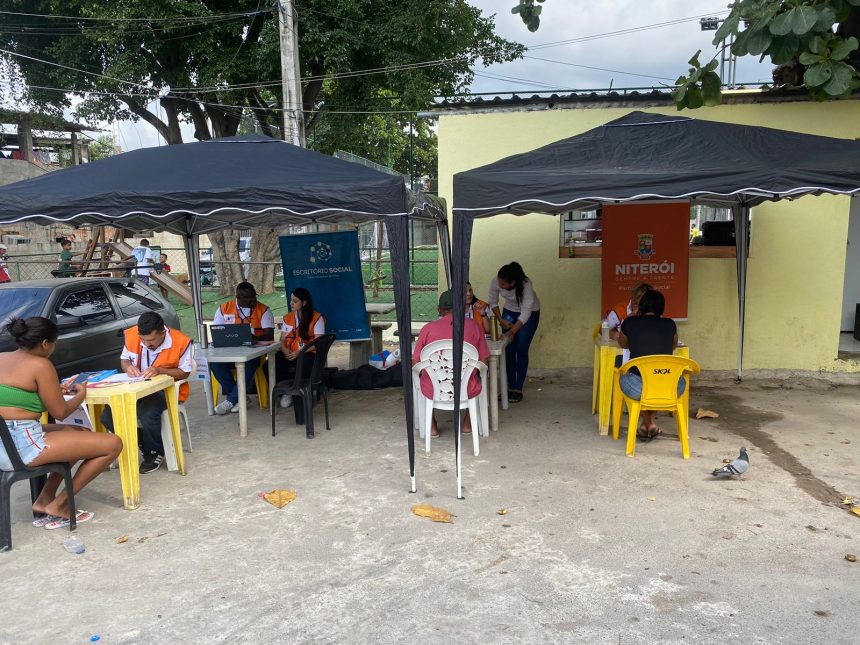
(232, 336)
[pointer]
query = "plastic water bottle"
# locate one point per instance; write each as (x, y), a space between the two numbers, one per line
(74, 545)
(604, 331)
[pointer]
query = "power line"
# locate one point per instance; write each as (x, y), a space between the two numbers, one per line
(621, 32)
(177, 19)
(599, 69)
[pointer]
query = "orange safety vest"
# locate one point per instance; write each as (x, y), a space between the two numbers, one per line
(292, 341)
(166, 358)
(477, 315)
(256, 319)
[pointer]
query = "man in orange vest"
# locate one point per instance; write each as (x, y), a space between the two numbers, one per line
(244, 310)
(152, 349)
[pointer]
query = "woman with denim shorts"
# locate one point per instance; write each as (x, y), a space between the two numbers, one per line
(28, 387)
(646, 334)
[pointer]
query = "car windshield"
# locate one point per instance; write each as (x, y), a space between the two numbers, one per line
(21, 303)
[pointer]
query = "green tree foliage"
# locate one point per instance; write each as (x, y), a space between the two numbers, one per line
(167, 62)
(103, 147)
(184, 60)
(797, 35)
(529, 11)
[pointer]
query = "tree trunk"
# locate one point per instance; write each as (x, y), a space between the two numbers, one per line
(225, 252)
(264, 248)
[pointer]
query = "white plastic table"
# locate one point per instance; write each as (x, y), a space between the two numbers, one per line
(498, 369)
(238, 356)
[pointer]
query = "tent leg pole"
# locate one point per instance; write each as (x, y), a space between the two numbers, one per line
(192, 252)
(742, 213)
(459, 460)
(445, 246)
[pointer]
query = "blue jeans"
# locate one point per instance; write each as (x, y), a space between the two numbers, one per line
(517, 351)
(224, 373)
(149, 410)
(631, 385)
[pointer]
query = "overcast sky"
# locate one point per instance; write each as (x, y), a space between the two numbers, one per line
(647, 57)
(658, 54)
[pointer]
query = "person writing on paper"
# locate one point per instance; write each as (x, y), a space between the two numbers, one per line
(645, 334)
(519, 321)
(28, 387)
(443, 329)
(244, 310)
(477, 309)
(151, 349)
(301, 325)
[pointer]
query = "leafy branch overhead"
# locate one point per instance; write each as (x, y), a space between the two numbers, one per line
(799, 38)
(529, 11)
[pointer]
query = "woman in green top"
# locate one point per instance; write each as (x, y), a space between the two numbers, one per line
(29, 386)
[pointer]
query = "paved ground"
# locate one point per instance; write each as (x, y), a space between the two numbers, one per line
(595, 547)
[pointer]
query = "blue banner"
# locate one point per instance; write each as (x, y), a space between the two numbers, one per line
(329, 266)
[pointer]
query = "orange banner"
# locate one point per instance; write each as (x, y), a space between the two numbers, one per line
(646, 243)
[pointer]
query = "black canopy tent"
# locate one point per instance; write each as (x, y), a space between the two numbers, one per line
(233, 183)
(645, 156)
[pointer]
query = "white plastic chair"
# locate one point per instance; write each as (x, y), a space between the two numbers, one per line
(437, 361)
(166, 434)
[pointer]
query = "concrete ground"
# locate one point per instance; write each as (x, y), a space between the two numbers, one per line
(594, 546)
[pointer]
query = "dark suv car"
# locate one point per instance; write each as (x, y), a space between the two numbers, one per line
(92, 314)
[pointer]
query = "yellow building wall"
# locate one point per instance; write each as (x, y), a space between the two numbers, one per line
(797, 249)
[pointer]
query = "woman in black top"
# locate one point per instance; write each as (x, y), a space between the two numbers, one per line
(647, 334)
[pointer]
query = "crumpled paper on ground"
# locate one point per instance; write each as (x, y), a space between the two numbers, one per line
(279, 497)
(432, 513)
(707, 414)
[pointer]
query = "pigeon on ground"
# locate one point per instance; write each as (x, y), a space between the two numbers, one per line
(738, 467)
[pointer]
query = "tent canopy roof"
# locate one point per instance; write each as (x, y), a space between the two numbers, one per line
(234, 182)
(650, 156)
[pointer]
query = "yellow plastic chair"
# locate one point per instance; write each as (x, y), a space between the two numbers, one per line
(660, 375)
(260, 382)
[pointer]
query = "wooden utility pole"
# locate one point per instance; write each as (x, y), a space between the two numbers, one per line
(291, 78)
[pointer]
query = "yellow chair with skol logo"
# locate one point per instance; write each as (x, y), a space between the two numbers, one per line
(660, 376)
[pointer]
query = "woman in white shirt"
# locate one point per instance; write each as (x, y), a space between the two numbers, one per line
(519, 320)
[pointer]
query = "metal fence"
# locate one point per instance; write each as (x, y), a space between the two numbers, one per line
(375, 264)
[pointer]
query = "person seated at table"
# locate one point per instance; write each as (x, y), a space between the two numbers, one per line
(244, 310)
(443, 329)
(477, 309)
(645, 334)
(622, 310)
(152, 349)
(301, 325)
(28, 387)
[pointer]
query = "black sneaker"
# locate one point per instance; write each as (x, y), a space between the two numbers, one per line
(151, 463)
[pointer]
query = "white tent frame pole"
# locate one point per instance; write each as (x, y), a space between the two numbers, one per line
(192, 256)
(741, 215)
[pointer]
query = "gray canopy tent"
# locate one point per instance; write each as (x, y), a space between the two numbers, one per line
(233, 183)
(644, 156)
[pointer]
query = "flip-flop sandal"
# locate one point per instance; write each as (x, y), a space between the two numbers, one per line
(654, 433)
(61, 523)
(45, 519)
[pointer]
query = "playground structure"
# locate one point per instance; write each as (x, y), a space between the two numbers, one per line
(113, 244)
